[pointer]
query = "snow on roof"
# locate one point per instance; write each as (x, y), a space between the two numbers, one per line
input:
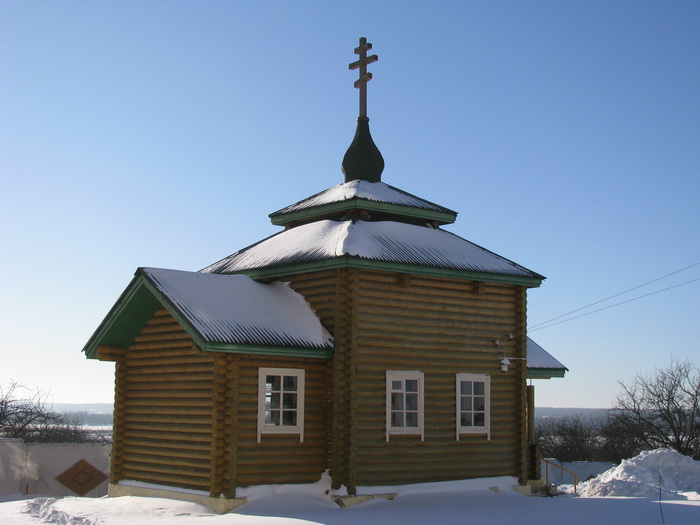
(362, 189)
(538, 357)
(386, 241)
(235, 309)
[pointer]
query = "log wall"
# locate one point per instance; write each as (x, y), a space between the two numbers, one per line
(439, 327)
(164, 407)
(282, 458)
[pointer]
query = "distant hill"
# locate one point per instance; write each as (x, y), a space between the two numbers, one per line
(585, 413)
(91, 408)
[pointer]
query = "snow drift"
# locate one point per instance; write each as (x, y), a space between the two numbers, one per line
(660, 473)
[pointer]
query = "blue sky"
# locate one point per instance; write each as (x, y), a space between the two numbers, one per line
(566, 135)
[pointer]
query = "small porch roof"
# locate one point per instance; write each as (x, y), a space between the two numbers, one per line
(225, 313)
(541, 364)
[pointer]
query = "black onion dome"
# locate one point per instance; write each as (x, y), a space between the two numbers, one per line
(363, 160)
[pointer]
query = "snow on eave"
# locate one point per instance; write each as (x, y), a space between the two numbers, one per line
(385, 241)
(361, 189)
(234, 309)
(538, 357)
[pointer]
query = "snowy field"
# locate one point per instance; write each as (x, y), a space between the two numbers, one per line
(628, 493)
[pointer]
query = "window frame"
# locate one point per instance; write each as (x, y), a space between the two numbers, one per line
(396, 375)
(473, 430)
(263, 427)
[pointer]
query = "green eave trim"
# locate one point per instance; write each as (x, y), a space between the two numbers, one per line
(136, 306)
(280, 219)
(545, 373)
(319, 353)
(126, 319)
(367, 264)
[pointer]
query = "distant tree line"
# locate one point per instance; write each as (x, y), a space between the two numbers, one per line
(661, 410)
(26, 414)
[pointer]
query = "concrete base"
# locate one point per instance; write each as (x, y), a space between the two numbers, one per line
(525, 490)
(349, 501)
(218, 505)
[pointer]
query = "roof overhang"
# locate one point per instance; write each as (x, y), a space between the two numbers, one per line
(281, 219)
(349, 261)
(139, 302)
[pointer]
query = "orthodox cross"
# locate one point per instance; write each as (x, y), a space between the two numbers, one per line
(365, 77)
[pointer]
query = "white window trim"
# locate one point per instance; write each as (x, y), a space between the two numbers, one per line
(393, 375)
(281, 429)
(486, 429)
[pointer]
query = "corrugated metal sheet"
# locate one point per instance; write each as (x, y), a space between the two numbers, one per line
(378, 241)
(237, 310)
(361, 189)
(538, 357)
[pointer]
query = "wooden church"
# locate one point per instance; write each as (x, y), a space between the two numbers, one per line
(363, 340)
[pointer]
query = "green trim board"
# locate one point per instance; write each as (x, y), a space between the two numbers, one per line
(280, 219)
(136, 306)
(545, 373)
(348, 261)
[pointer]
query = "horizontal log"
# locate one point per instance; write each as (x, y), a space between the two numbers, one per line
(171, 345)
(168, 449)
(186, 437)
(191, 377)
(171, 446)
(165, 419)
(172, 388)
(142, 473)
(184, 462)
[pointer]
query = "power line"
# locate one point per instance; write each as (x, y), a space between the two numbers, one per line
(617, 295)
(610, 306)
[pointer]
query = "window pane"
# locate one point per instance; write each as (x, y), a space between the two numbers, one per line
(479, 420)
(465, 388)
(466, 403)
(396, 385)
(397, 419)
(272, 383)
(289, 417)
(289, 401)
(411, 401)
(411, 419)
(466, 419)
(397, 401)
(479, 403)
(411, 385)
(479, 388)
(272, 417)
(290, 383)
(272, 400)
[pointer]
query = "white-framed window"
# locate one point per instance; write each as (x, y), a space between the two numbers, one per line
(404, 403)
(473, 404)
(281, 401)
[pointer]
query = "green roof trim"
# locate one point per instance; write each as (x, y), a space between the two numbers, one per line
(126, 319)
(322, 353)
(545, 373)
(348, 261)
(281, 219)
(136, 306)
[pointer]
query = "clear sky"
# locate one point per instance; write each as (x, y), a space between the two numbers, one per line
(162, 133)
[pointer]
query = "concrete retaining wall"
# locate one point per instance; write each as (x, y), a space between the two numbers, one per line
(31, 468)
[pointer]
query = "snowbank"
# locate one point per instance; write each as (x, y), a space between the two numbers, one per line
(660, 473)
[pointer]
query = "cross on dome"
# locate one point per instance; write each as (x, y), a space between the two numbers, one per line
(365, 77)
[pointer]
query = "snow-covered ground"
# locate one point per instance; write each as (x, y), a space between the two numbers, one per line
(628, 493)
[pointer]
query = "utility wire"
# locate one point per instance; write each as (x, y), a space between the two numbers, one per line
(610, 306)
(617, 295)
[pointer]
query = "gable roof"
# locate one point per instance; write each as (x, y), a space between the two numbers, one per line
(364, 195)
(541, 364)
(383, 244)
(226, 313)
